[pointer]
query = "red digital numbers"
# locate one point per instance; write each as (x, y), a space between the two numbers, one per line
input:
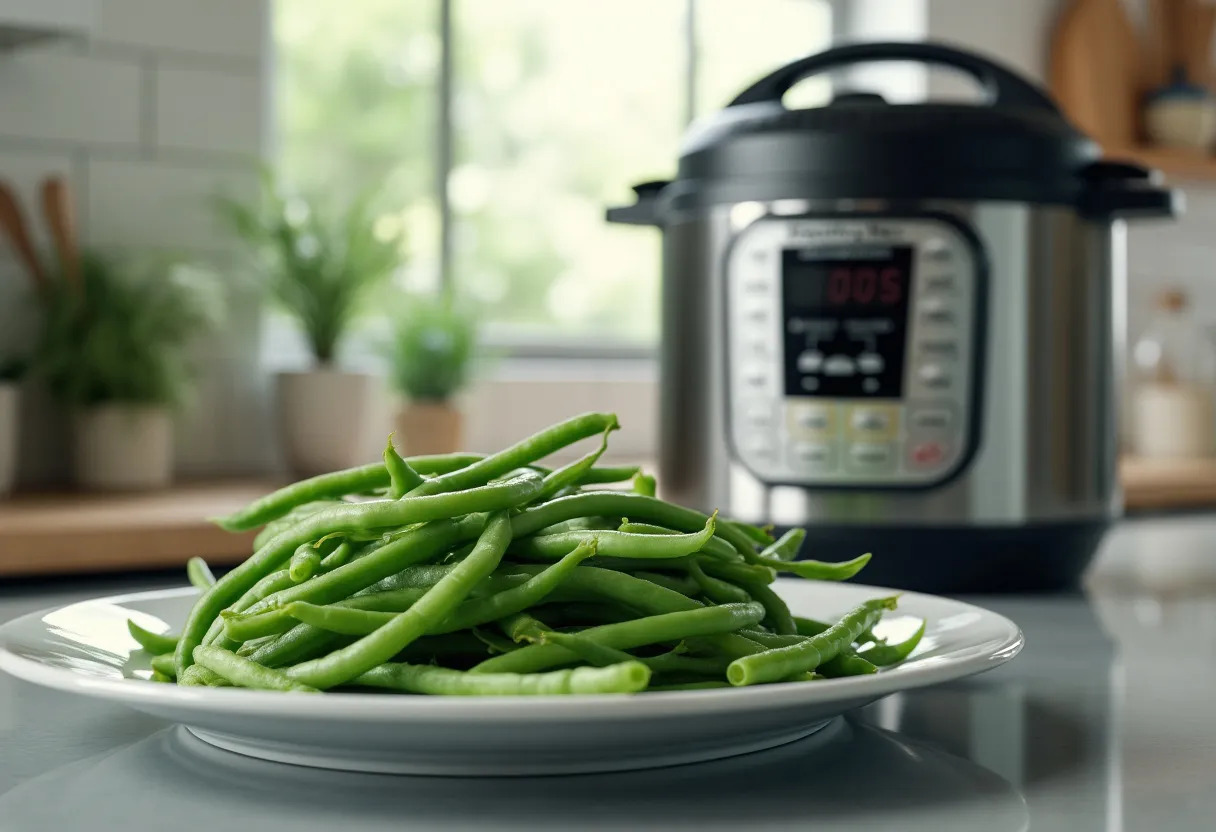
(864, 284)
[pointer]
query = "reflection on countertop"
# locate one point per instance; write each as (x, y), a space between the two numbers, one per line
(1103, 723)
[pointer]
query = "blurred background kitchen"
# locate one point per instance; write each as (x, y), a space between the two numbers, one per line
(263, 235)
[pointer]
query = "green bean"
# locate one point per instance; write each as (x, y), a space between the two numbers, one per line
(675, 583)
(738, 573)
(157, 676)
(199, 573)
(626, 677)
(298, 644)
(759, 536)
(154, 643)
(816, 570)
(343, 518)
(608, 474)
(527, 451)
(401, 476)
(674, 662)
(338, 557)
(718, 591)
(378, 647)
(288, 520)
(619, 544)
(303, 563)
(771, 640)
(510, 601)
(354, 618)
(708, 684)
(419, 544)
(622, 504)
(164, 664)
(654, 629)
(777, 613)
(884, 655)
(782, 662)
(197, 675)
(525, 628)
(810, 626)
(580, 524)
(644, 484)
(786, 547)
(846, 663)
(325, 486)
(244, 673)
(725, 645)
(715, 547)
(573, 473)
(494, 642)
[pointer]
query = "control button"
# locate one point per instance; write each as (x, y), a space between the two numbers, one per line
(874, 422)
(809, 384)
(941, 347)
(759, 315)
(927, 455)
(812, 421)
(839, 365)
(936, 311)
(756, 286)
(872, 458)
(758, 349)
(760, 447)
(870, 385)
(870, 363)
(755, 379)
(759, 417)
(938, 250)
(939, 282)
(934, 376)
(810, 361)
(931, 419)
(813, 457)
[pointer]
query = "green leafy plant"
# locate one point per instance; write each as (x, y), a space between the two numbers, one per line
(318, 267)
(120, 336)
(432, 347)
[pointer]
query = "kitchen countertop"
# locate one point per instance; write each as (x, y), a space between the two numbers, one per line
(1104, 722)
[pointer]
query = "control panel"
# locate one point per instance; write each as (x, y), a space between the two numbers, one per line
(852, 345)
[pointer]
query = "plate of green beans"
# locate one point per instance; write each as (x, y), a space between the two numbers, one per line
(498, 614)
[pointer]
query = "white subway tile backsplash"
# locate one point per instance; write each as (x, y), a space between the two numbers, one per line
(199, 109)
(50, 95)
(160, 204)
(226, 28)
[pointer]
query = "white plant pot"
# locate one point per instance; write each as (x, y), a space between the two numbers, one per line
(9, 401)
(326, 418)
(122, 447)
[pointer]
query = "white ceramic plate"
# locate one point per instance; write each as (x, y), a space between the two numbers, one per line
(85, 648)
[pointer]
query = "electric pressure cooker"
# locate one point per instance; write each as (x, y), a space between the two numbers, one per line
(900, 326)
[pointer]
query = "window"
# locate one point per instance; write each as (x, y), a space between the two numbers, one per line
(499, 130)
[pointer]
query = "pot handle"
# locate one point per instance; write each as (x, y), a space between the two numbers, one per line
(645, 210)
(1003, 87)
(1117, 189)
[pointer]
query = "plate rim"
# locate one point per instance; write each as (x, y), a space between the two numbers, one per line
(363, 707)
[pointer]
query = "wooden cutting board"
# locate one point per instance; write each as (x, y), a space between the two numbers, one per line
(1096, 70)
(1168, 483)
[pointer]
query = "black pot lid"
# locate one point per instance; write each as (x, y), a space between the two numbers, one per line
(1014, 145)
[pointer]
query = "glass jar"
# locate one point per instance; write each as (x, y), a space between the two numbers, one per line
(1174, 384)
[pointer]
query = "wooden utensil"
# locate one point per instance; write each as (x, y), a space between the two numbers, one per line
(1095, 70)
(12, 221)
(57, 211)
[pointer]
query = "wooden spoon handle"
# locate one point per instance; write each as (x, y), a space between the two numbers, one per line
(12, 221)
(57, 211)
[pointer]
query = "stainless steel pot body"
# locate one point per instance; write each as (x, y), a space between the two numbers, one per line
(1052, 330)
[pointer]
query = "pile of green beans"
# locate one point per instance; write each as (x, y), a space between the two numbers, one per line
(491, 575)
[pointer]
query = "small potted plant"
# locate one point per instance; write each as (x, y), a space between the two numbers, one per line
(432, 346)
(11, 371)
(319, 269)
(113, 350)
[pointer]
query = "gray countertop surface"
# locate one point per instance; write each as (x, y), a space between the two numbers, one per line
(1104, 722)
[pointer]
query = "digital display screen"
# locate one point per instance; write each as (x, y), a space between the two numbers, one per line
(846, 319)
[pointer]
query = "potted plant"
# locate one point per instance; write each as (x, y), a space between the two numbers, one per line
(113, 349)
(11, 371)
(319, 268)
(430, 351)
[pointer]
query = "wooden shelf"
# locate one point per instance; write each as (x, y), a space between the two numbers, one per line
(1168, 483)
(1175, 163)
(45, 534)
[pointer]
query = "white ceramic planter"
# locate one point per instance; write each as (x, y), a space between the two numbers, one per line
(325, 419)
(9, 401)
(123, 447)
